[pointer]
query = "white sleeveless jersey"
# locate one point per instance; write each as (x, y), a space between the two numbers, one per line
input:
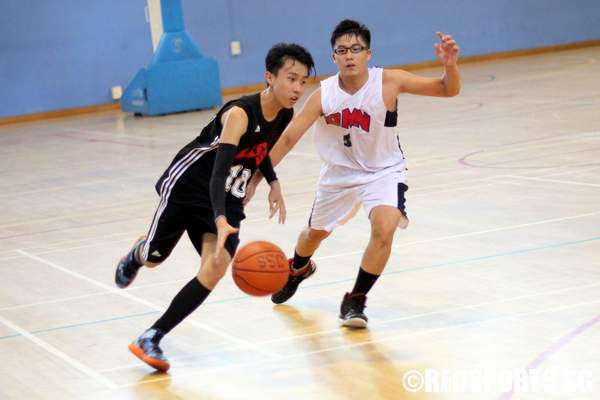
(356, 136)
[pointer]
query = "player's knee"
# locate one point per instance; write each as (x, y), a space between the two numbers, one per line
(404, 221)
(150, 264)
(214, 270)
(383, 232)
(211, 277)
(315, 235)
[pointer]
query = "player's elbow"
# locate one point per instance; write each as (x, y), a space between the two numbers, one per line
(448, 87)
(289, 141)
(451, 91)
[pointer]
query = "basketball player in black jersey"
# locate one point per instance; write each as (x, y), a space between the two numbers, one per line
(201, 192)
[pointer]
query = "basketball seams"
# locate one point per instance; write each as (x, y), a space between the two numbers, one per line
(254, 271)
(241, 260)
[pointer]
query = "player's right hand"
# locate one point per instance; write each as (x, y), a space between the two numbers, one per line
(223, 231)
(447, 49)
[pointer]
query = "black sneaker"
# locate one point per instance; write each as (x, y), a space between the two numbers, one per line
(293, 281)
(128, 266)
(352, 310)
(146, 348)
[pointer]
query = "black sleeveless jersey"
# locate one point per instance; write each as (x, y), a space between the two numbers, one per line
(187, 179)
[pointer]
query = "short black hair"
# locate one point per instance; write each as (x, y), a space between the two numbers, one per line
(351, 27)
(281, 52)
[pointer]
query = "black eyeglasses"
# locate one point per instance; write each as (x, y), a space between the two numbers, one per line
(354, 49)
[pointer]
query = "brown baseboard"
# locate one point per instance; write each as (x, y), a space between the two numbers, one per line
(236, 90)
(69, 112)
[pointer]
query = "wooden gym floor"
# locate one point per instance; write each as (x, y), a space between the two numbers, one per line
(499, 269)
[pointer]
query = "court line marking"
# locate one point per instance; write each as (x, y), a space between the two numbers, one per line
(379, 323)
(469, 234)
(457, 261)
(45, 302)
(83, 296)
(54, 351)
(122, 293)
(554, 348)
(151, 208)
(364, 343)
(492, 180)
(521, 110)
(75, 186)
(396, 272)
(497, 150)
(123, 135)
(465, 260)
(586, 169)
(516, 315)
(541, 179)
(444, 311)
(419, 191)
(444, 158)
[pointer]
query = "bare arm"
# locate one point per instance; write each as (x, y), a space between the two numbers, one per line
(235, 124)
(447, 86)
(311, 110)
(290, 136)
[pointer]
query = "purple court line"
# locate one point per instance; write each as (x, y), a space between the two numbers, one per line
(562, 342)
(543, 156)
(463, 160)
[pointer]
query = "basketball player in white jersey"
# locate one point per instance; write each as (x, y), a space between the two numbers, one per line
(354, 114)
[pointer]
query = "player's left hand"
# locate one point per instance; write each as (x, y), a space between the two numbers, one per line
(223, 232)
(251, 189)
(276, 202)
(447, 49)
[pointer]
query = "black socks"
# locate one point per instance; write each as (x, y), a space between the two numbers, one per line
(364, 281)
(299, 261)
(183, 304)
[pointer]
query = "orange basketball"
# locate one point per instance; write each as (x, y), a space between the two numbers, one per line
(260, 268)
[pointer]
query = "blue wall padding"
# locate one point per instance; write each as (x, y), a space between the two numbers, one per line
(68, 53)
(179, 78)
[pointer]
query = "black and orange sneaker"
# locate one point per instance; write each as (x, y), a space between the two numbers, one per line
(294, 279)
(146, 348)
(128, 266)
(352, 311)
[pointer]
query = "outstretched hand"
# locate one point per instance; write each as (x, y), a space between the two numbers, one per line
(276, 202)
(447, 49)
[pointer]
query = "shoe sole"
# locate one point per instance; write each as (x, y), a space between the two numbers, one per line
(155, 363)
(357, 323)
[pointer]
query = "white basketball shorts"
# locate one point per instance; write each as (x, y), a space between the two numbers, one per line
(335, 206)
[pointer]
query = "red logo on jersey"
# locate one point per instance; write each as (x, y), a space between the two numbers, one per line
(259, 152)
(348, 119)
